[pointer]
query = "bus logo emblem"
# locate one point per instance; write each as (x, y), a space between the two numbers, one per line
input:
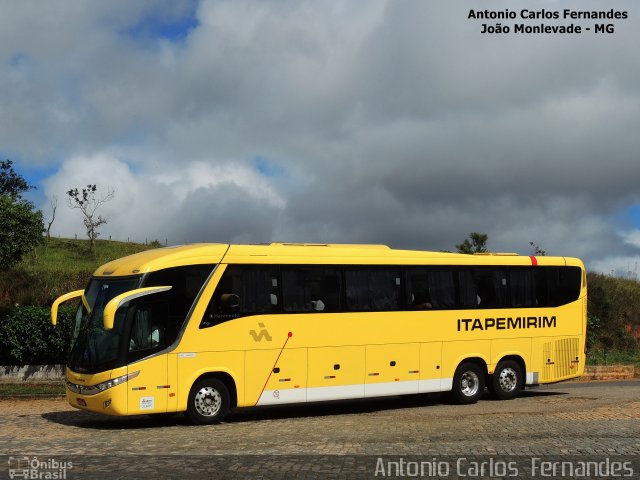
(257, 337)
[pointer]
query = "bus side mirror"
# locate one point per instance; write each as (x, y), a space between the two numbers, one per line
(109, 315)
(63, 298)
(230, 301)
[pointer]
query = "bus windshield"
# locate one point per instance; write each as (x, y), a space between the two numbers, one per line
(94, 348)
(143, 326)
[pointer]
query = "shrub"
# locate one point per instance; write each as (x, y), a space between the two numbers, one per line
(21, 229)
(28, 338)
(614, 306)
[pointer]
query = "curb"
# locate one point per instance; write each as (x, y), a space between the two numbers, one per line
(32, 374)
(32, 396)
(608, 372)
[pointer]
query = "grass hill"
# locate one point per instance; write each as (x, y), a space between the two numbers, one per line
(57, 267)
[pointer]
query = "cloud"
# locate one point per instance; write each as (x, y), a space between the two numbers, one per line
(375, 122)
(183, 205)
(620, 266)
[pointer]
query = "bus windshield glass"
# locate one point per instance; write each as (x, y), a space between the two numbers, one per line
(94, 348)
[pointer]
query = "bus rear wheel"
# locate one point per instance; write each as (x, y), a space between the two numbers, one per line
(507, 380)
(208, 402)
(468, 383)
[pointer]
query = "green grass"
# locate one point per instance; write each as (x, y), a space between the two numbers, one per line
(59, 266)
(613, 357)
(10, 389)
(67, 255)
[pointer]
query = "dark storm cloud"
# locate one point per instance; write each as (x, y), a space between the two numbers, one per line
(224, 213)
(387, 122)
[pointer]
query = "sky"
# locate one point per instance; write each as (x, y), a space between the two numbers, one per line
(385, 121)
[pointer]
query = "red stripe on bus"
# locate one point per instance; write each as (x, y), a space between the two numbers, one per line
(534, 260)
(289, 335)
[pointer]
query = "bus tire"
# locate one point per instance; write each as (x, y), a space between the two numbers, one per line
(468, 383)
(507, 380)
(208, 402)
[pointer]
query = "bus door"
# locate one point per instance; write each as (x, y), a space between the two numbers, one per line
(149, 320)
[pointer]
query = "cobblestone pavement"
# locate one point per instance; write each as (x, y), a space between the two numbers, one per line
(332, 440)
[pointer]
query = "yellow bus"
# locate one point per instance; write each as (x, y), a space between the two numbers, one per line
(205, 328)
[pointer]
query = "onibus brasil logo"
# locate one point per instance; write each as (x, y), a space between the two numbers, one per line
(33, 468)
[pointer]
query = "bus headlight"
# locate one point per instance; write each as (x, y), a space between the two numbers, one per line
(101, 387)
(116, 381)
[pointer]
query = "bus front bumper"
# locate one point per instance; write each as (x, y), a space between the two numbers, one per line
(96, 398)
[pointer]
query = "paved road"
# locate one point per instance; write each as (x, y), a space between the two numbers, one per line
(570, 422)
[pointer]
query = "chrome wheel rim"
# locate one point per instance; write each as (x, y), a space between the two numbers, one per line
(469, 384)
(508, 380)
(208, 401)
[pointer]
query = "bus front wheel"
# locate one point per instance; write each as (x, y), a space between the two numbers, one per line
(468, 383)
(208, 402)
(507, 380)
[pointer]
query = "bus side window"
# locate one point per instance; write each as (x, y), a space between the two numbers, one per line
(467, 294)
(557, 286)
(442, 288)
(243, 290)
(418, 297)
(149, 329)
(311, 289)
(373, 289)
(491, 286)
(156, 320)
(570, 284)
(522, 292)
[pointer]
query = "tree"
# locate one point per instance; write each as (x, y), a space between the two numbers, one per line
(54, 206)
(476, 243)
(86, 201)
(21, 226)
(537, 250)
(11, 183)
